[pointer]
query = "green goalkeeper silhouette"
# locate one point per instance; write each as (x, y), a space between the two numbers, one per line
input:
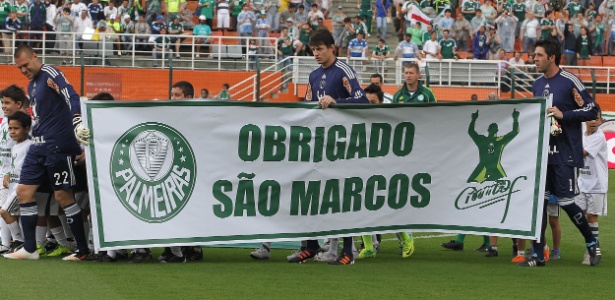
(490, 148)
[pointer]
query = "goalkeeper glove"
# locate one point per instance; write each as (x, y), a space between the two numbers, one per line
(81, 133)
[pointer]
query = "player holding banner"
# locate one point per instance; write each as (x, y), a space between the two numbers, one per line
(572, 105)
(54, 104)
(333, 82)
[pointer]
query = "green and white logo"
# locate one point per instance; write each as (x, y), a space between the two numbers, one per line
(489, 183)
(153, 171)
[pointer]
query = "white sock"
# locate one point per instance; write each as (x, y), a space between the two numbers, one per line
(66, 227)
(60, 236)
(333, 245)
(41, 235)
(177, 251)
(16, 231)
(354, 248)
(5, 233)
(112, 253)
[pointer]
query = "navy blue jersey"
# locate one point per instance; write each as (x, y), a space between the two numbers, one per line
(339, 81)
(567, 148)
(54, 102)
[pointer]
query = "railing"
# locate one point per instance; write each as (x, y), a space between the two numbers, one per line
(447, 72)
(134, 50)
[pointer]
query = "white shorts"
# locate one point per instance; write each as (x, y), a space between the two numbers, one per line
(46, 204)
(224, 19)
(11, 205)
(593, 204)
(4, 193)
(552, 210)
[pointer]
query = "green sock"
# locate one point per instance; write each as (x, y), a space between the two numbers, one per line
(486, 240)
(368, 242)
(404, 236)
(461, 238)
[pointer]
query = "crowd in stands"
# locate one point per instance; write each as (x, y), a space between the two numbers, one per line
(478, 29)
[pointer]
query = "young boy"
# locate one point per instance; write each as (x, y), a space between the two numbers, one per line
(593, 177)
(13, 99)
(19, 127)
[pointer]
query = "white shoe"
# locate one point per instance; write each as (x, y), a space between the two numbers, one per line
(4, 249)
(22, 254)
(197, 55)
(177, 56)
(119, 53)
(325, 257)
(585, 259)
(261, 253)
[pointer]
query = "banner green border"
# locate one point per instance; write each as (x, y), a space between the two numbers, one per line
(90, 105)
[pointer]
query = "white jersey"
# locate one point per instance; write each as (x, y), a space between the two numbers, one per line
(594, 176)
(6, 143)
(18, 155)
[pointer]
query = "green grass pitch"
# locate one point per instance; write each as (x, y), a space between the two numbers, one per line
(228, 273)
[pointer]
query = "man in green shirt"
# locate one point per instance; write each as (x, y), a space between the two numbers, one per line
(546, 25)
(448, 47)
(366, 12)
(469, 9)
(162, 47)
(207, 9)
(153, 8)
(574, 8)
(5, 9)
(172, 8)
(519, 9)
(413, 91)
(22, 12)
(380, 52)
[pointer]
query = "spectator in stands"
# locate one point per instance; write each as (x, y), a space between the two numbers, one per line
(123, 8)
(321, 25)
(50, 25)
(64, 21)
(538, 9)
(12, 25)
(135, 11)
(474, 97)
(304, 38)
(93, 9)
(448, 48)
(5, 9)
(153, 9)
(379, 54)
(158, 24)
(493, 96)
(585, 46)
(171, 7)
(224, 93)
(516, 60)
(416, 32)
(360, 26)
(315, 14)
(547, 24)
(76, 8)
(37, 16)
(427, 34)
(489, 12)
(529, 32)
(357, 47)
(161, 47)
(289, 12)
(407, 49)
(560, 25)
(461, 32)
(607, 8)
(531, 63)
(201, 32)
(115, 23)
(142, 31)
(350, 30)
(507, 24)
(599, 35)
(446, 22)
(82, 23)
(574, 7)
(262, 28)
(186, 15)
(493, 40)
(21, 8)
(204, 91)
(128, 27)
(235, 11)
(479, 44)
(431, 47)
(578, 23)
(468, 9)
(175, 29)
(252, 53)
(244, 22)
(382, 12)
(301, 16)
(478, 21)
(110, 10)
(223, 16)
(338, 28)
(103, 32)
(570, 46)
(273, 14)
(610, 21)
(285, 48)
(293, 33)
(206, 8)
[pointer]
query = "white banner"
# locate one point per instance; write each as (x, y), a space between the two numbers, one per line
(189, 172)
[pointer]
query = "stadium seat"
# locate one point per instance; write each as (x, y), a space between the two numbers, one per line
(595, 61)
(608, 61)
